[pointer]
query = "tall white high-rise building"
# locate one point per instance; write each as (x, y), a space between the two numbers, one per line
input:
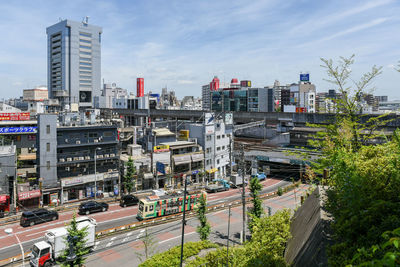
(74, 62)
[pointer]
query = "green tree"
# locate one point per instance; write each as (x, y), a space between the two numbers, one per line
(204, 229)
(148, 245)
(364, 180)
(79, 247)
(129, 182)
(257, 209)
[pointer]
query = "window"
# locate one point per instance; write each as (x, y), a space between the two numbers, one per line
(84, 72)
(85, 41)
(85, 63)
(48, 147)
(85, 34)
(84, 53)
(85, 68)
(208, 137)
(85, 47)
(48, 165)
(85, 77)
(92, 135)
(218, 137)
(48, 129)
(85, 81)
(0, 168)
(223, 147)
(223, 136)
(218, 148)
(217, 161)
(85, 58)
(151, 208)
(108, 134)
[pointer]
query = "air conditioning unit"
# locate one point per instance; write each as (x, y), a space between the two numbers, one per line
(78, 142)
(96, 140)
(62, 160)
(76, 158)
(81, 158)
(84, 169)
(69, 159)
(100, 156)
(66, 140)
(112, 155)
(67, 168)
(87, 157)
(107, 155)
(78, 165)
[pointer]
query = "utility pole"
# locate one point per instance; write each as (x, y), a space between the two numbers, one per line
(243, 172)
(227, 245)
(183, 221)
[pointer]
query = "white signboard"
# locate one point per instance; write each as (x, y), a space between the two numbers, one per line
(229, 118)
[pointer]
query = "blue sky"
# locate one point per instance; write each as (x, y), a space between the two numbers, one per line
(183, 44)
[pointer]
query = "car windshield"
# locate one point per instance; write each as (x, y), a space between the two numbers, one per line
(35, 251)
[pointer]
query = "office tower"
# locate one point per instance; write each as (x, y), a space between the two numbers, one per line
(74, 62)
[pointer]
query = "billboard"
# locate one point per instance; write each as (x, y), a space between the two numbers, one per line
(245, 83)
(304, 77)
(30, 129)
(161, 148)
(228, 118)
(301, 110)
(24, 116)
(184, 135)
(209, 118)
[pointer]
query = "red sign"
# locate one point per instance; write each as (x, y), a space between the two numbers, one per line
(25, 116)
(29, 194)
(301, 110)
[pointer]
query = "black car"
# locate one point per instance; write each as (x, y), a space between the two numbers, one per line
(128, 200)
(30, 218)
(92, 206)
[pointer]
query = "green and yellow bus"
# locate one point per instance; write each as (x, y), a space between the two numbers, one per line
(158, 206)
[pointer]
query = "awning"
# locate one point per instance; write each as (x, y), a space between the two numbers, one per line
(3, 198)
(29, 194)
(197, 157)
(261, 176)
(212, 170)
(185, 159)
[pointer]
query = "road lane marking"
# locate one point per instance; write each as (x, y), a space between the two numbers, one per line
(129, 234)
(169, 239)
(113, 238)
(109, 244)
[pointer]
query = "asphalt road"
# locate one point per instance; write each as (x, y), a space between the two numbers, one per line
(115, 216)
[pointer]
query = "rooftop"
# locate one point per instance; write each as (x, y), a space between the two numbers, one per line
(162, 132)
(179, 143)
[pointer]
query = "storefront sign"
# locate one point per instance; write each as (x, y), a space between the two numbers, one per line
(82, 179)
(30, 129)
(25, 116)
(29, 194)
(161, 148)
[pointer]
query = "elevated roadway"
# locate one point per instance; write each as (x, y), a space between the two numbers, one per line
(298, 119)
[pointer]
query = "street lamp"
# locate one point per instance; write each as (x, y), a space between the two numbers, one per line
(95, 171)
(9, 231)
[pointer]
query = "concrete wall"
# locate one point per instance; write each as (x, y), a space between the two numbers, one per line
(310, 233)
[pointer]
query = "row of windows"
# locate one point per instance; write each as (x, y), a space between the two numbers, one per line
(85, 81)
(85, 72)
(85, 59)
(85, 85)
(85, 77)
(85, 46)
(85, 34)
(85, 68)
(85, 63)
(85, 41)
(85, 53)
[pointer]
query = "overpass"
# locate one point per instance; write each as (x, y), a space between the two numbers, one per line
(298, 119)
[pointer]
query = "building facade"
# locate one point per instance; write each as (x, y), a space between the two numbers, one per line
(74, 62)
(72, 159)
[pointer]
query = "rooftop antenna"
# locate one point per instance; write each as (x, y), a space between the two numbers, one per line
(86, 20)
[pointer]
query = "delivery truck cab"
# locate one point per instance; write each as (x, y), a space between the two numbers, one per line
(45, 253)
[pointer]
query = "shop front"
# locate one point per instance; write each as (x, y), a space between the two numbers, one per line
(5, 202)
(111, 182)
(211, 174)
(29, 199)
(81, 187)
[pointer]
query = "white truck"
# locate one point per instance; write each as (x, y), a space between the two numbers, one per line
(45, 253)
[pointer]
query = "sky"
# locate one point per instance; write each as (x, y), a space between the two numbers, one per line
(182, 45)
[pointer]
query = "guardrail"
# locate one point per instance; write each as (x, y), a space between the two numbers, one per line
(63, 208)
(156, 221)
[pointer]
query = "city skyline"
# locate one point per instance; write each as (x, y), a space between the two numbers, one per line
(183, 45)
